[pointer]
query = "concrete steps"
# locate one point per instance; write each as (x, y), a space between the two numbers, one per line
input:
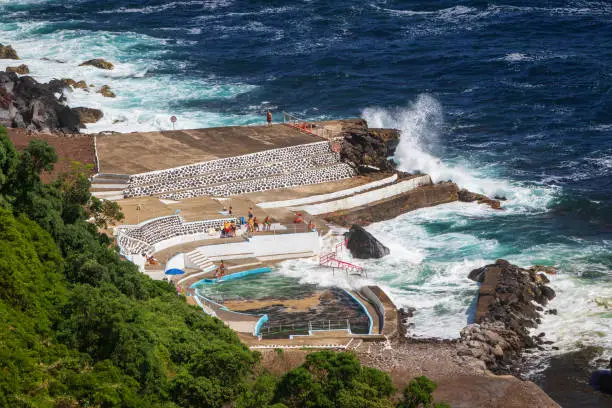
(109, 186)
(200, 260)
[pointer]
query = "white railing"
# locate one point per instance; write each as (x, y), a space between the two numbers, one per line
(307, 127)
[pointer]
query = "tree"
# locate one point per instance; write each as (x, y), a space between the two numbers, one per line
(330, 379)
(418, 394)
(104, 212)
(8, 158)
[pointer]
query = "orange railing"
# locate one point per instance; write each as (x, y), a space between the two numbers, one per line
(307, 127)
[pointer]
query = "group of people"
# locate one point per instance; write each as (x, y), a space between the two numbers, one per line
(253, 224)
(229, 229)
(299, 219)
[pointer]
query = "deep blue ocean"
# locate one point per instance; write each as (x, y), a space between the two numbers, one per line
(510, 98)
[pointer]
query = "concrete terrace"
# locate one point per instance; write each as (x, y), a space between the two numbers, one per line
(139, 152)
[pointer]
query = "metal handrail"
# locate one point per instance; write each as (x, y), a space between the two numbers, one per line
(307, 127)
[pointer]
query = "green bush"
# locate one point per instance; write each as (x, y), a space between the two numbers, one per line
(418, 394)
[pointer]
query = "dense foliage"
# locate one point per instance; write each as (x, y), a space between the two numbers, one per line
(83, 328)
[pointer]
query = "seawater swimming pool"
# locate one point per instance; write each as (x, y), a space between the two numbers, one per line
(292, 307)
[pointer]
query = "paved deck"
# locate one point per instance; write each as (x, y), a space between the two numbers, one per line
(138, 152)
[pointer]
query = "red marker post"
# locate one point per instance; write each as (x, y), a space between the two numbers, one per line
(173, 120)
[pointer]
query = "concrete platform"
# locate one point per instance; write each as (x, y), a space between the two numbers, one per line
(138, 152)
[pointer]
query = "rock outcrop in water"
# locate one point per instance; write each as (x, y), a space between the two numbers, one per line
(106, 92)
(98, 63)
(74, 84)
(506, 310)
(22, 69)
(469, 197)
(363, 245)
(8, 52)
(368, 149)
(25, 103)
(89, 115)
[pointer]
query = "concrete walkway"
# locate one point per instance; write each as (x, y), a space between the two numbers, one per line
(138, 152)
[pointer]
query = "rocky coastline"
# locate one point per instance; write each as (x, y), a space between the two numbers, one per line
(38, 107)
(510, 302)
(508, 294)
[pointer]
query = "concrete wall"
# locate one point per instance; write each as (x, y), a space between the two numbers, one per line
(426, 196)
(300, 177)
(265, 245)
(380, 308)
(247, 160)
(363, 199)
(163, 232)
(176, 262)
(330, 196)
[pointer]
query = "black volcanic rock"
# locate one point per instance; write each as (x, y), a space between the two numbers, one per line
(363, 245)
(26, 103)
(368, 149)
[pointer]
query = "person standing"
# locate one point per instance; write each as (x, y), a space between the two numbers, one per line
(269, 118)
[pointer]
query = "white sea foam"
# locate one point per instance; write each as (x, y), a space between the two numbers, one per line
(420, 125)
(206, 4)
(144, 102)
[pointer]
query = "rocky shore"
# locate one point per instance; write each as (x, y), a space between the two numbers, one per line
(510, 302)
(27, 104)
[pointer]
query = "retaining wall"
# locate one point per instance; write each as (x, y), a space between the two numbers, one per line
(330, 196)
(265, 245)
(380, 308)
(368, 197)
(231, 175)
(318, 175)
(247, 160)
(163, 232)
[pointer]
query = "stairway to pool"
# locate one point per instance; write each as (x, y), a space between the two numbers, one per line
(108, 186)
(292, 166)
(198, 260)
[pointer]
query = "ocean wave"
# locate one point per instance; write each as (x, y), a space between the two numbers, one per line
(521, 57)
(206, 4)
(420, 125)
(144, 101)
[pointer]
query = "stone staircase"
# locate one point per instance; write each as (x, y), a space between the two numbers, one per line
(271, 169)
(199, 260)
(108, 186)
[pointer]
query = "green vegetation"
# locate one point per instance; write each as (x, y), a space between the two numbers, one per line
(418, 394)
(83, 328)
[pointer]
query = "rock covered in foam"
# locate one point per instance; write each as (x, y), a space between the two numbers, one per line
(26, 103)
(8, 52)
(98, 63)
(22, 69)
(507, 308)
(106, 92)
(363, 245)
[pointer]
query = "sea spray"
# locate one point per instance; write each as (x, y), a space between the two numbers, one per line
(421, 125)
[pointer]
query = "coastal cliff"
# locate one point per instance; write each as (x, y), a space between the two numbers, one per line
(367, 149)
